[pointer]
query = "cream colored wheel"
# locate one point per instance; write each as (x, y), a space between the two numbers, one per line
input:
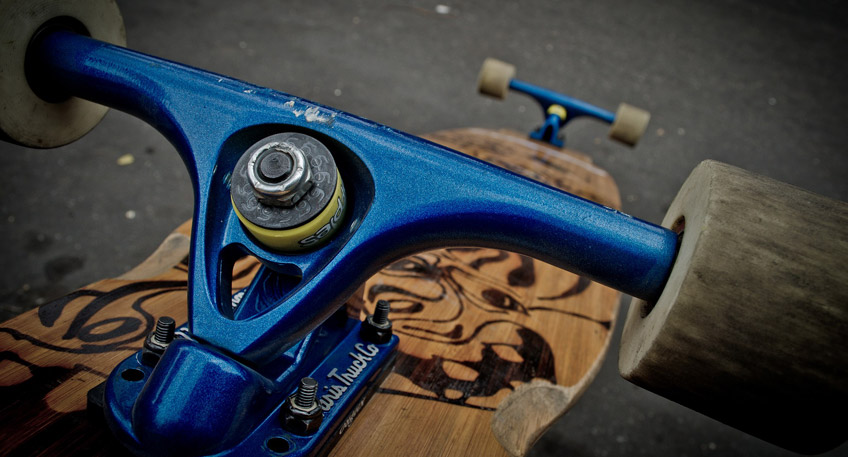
(25, 118)
(630, 124)
(750, 328)
(494, 78)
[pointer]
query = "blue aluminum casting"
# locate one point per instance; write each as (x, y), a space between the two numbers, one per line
(405, 195)
(549, 131)
(574, 108)
(219, 405)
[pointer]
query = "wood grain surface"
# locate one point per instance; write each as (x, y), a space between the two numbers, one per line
(494, 346)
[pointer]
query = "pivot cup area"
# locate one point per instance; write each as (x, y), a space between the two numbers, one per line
(287, 192)
(279, 173)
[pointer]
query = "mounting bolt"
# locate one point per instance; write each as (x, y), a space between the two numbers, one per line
(158, 340)
(301, 414)
(377, 327)
(306, 393)
(279, 174)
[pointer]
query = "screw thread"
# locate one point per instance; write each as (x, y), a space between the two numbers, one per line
(306, 393)
(381, 312)
(164, 332)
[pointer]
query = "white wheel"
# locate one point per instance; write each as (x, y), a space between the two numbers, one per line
(494, 78)
(24, 117)
(630, 124)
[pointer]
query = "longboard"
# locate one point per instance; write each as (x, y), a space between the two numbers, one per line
(494, 346)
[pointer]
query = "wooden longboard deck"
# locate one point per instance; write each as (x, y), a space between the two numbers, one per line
(494, 346)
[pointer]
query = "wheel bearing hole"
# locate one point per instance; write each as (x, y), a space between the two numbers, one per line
(679, 225)
(40, 81)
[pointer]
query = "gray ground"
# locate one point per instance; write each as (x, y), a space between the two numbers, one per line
(757, 84)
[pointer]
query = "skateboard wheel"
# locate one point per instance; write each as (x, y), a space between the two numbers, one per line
(25, 118)
(629, 125)
(751, 326)
(494, 78)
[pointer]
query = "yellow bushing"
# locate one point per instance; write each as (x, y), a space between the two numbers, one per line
(557, 110)
(307, 235)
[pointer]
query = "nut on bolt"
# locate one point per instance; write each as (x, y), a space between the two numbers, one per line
(288, 193)
(279, 173)
(377, 327)
(158, 340)
(301, 414)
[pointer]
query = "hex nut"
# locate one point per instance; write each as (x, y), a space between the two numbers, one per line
(279, 173)
(157, 341)
(378, 334)
(299, 421)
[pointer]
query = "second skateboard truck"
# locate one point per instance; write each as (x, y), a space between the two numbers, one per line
(628, 123)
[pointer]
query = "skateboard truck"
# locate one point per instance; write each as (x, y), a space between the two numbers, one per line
(628, 123)
(219, 386)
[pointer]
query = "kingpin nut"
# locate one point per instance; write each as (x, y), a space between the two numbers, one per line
(288, 193)
(279, 174)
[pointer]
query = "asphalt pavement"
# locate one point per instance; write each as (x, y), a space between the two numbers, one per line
(757, 84)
